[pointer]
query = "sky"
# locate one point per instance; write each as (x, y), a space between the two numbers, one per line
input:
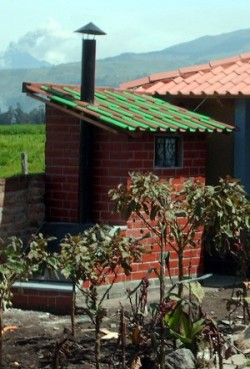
(45, 28)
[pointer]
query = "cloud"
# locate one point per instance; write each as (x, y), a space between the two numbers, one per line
(50, 43)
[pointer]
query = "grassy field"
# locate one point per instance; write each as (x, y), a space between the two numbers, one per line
(15, 139)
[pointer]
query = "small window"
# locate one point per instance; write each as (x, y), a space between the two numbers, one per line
(167, 151)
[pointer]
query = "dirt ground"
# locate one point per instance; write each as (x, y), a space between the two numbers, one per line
(34, 341)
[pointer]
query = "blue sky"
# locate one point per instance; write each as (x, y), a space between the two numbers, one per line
(45, 28)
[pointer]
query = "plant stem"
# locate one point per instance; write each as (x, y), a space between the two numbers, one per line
(162, 345)
(162, 296)
(1, 335)
(73, 309)
(123, 336)
(97, 341)
(162, 273)
(181, 273)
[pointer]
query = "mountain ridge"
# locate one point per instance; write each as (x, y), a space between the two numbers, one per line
(124, 67)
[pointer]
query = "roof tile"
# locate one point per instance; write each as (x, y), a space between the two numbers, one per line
(164, 75)
(128, 111)
(244, 56)
(190, 87)
(224, 89)
(166, 87)
(200, 89)
(224, 76)
(244, 67)
(245, 91)
(194, 68)
(240, 78)
(241, 88)
(216, 70)
(228, 78)
(215, 78)
(226, 61)
(155, 87)
(140, 81)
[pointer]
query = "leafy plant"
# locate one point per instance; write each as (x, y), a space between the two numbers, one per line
(96, 257)
(228, 222)
(170, 214)
(185, 320)
(18, 263)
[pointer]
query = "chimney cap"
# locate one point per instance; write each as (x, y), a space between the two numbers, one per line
(91, 29)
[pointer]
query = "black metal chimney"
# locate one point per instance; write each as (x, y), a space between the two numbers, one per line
(88, 61)
(86, 144)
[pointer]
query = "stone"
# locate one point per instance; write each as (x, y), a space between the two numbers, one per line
(226, 365)
(242, 341)
(239, 360)
(180, 359)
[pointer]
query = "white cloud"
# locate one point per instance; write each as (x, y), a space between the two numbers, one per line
(51, 43)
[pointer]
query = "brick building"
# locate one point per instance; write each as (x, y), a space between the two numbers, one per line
(129, 132)
(220, 89)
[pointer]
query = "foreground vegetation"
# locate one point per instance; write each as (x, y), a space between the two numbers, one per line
(97, 256)
(18, 138)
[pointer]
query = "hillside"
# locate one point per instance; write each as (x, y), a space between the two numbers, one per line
(112, 71)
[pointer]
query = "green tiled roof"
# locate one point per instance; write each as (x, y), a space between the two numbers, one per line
(129, 111)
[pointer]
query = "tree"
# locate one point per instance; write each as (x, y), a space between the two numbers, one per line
(18, 116)
(37, 115)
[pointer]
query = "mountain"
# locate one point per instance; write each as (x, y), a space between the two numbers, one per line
(14, 58)
(128, 66)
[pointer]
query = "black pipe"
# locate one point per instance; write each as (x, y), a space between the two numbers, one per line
(88, 70)
(86, 132)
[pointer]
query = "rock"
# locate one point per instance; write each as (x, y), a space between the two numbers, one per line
(239, 360)
(180, 359)
(242, 341)
(226, 365)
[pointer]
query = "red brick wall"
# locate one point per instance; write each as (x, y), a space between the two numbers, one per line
(54, 300)
(114, 156)
(62, 165)
(117, 155)
(193, 256)
(22, 207)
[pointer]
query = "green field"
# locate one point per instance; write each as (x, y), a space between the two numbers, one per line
(15, 139)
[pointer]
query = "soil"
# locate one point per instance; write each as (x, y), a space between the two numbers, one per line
(37, 339)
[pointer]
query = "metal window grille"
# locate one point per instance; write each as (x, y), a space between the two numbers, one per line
(166, 152)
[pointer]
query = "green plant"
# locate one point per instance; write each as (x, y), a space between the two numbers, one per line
(18, 263)
(184, 318)
(170, 215)
(15, 139)
(95, 257)
(228, 222)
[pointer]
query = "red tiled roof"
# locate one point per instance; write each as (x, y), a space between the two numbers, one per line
(227, 77)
